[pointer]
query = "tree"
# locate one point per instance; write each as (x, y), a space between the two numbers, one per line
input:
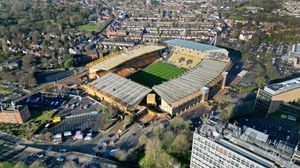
(20, 165)
(271, 72)
(26, 63)
(152, 151)
(37, 164)
(259, 69)
(70, 164)
(48, 136)
(177, 124)
(44, 62)
(128, 119)
(180, 145)
(4, 46)
(28, 79)
(143, 139)
(6, 164)
(68, 61)
(260, 81)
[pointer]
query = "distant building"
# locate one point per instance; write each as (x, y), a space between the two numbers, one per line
(219, 144)
(273, 96)
(293, 55)
(245, 36)
(16, 114)
(149, 2)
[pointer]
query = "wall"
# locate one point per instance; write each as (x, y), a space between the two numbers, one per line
(164, 106)
(288, 96)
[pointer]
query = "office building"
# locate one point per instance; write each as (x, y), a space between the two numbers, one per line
(218, 145)
(273, 96)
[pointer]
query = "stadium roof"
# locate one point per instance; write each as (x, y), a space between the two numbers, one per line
(190, 82)
(121, 88)
(193, 45)
(125, 56)
(282, 87)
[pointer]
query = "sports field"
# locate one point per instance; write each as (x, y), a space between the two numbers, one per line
(156, 74)
(88, 27)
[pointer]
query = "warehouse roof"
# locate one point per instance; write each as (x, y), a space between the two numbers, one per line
(193, 45)
(190, 82)
(121, 88)
(123, 57)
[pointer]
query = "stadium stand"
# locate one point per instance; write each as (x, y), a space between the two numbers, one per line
(138, 57)
(188, 54)
(120, 92)
(119, 58)
(192, 81)
(194, 45)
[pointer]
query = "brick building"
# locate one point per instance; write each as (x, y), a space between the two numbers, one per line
(16, 114)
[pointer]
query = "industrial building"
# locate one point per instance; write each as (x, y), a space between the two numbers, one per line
(118, 91)
(219, 144)
(15, 114)
(273, 96)
(126, 62)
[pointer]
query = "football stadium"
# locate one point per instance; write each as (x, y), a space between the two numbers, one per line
(190, 74)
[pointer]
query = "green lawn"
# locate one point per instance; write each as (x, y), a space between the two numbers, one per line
(5, 91)
(88, 27)
(45, 116)
(26, 129)
(156, 74)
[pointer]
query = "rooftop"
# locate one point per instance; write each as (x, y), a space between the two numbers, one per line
(191, 81)
(248, 142)
(10, 107)
(193, 45)
(282, 87)
(118, 59)
(298, 47)
(121, 88)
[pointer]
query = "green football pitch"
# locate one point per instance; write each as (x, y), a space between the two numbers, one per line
(156, 74)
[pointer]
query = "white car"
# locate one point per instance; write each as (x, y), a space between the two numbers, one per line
(60, 159)
(40, 155)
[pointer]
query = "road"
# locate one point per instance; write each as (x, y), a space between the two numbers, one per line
(15, 149)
